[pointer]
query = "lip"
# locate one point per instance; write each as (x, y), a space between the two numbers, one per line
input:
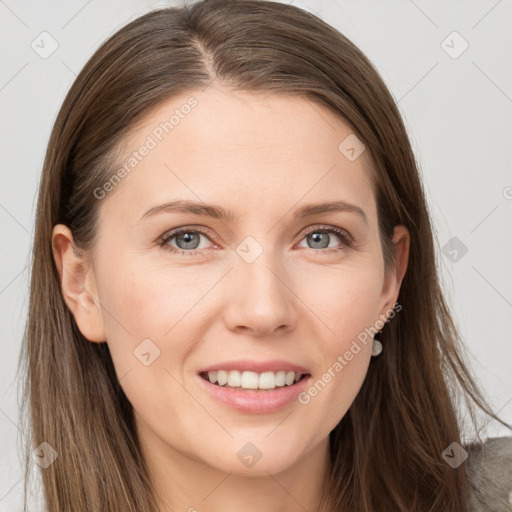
(272, 365)
(253, 401)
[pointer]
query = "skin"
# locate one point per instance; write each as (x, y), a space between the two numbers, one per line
(240, 150)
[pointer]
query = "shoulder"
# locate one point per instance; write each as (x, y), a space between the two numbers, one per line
(489, 469)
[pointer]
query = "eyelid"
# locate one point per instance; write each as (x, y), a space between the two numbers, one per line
(344, 235)
(176, 231)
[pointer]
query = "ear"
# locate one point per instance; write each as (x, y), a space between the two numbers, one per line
(395, 275)
(78, 285)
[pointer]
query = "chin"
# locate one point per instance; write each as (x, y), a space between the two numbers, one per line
(256, 458)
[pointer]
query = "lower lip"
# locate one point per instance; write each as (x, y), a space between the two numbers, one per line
(254, 401)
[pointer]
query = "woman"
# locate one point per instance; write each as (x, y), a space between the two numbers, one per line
(234, 298)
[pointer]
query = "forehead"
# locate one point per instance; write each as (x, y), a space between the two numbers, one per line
(244, 150)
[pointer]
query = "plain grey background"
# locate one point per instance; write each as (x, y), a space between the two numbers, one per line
(448, 65)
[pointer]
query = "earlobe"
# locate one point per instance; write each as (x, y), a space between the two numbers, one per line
(78, 285)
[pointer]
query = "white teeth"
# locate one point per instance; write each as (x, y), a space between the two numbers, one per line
(267, 380)
(281, 378)
(249, 380)
(234, 379)
(253, 380)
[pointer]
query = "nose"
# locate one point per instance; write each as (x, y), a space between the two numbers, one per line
(261, 299)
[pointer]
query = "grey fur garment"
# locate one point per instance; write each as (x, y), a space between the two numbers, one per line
(489, 469)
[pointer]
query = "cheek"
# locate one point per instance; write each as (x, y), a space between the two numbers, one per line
(147, 339)
(136, 307)
(346, 300)
(334, 387)
(155, 312)
(144, 302)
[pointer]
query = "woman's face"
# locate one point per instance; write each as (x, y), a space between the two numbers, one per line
(264, 285)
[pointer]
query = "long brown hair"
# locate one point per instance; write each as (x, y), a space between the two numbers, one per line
(386, 451)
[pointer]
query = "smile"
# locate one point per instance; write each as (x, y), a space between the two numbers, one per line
(252, 380)
(254, 400)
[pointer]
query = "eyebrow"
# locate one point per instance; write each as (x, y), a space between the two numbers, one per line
(218, 212)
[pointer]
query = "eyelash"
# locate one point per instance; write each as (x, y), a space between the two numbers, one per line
(344, 236)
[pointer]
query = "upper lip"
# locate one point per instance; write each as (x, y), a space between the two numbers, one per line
(247, 365)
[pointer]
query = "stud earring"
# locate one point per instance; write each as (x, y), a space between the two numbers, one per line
(376, 347)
